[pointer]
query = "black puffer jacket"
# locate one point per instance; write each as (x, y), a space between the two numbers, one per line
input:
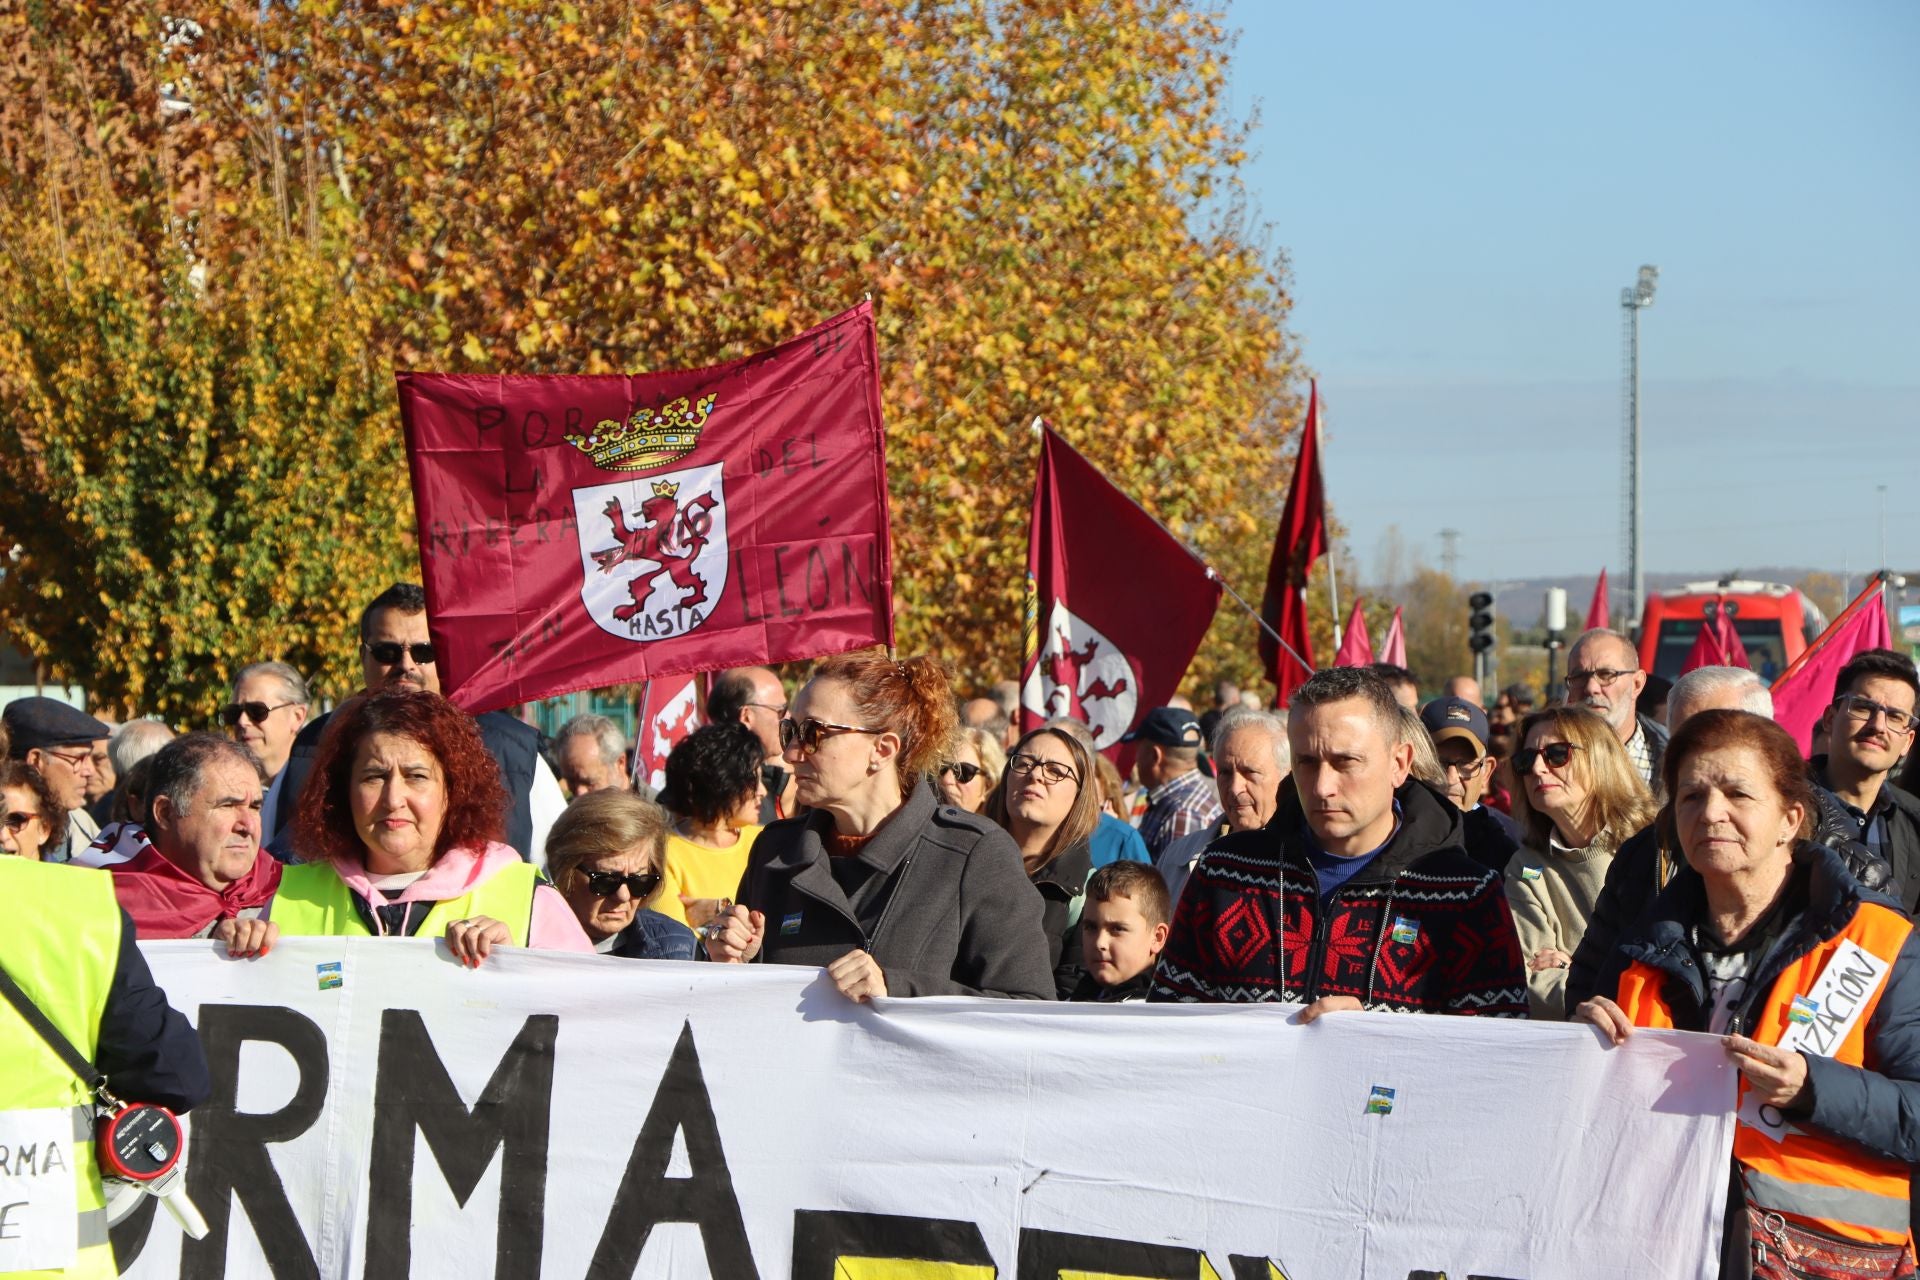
(1649, 859)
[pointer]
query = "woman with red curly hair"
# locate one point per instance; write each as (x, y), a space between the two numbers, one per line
(400, 828)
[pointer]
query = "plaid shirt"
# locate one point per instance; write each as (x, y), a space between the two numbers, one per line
(1640, 753)
(1175, 808)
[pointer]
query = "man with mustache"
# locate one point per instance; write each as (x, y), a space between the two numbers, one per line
(1858, 742)
(1603, 673)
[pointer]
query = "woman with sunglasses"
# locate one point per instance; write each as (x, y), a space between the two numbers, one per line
(29, 815)
(400, 831)
(607, 855)
(714, 789)
(972, 769)
(1049, 802)
(895, 893)
(1766, 939)
(1580, 797)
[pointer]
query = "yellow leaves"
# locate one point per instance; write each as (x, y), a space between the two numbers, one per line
(473, 350)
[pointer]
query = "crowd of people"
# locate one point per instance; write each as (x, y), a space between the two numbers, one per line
(1628, 857)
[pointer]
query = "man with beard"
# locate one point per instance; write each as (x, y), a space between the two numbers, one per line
(1603, 673)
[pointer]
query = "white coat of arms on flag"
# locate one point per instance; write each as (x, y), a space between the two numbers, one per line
(1084, 675)
(653, 552)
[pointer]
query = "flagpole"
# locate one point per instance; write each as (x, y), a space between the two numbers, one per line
(1333, 582)
(640, 730)
(1040, 424)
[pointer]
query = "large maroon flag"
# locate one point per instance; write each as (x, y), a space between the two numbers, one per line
(1805, 689)
(1301, 540)
(1115, 605)
(577, 532)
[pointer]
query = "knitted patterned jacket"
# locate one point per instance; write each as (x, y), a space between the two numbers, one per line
(1422, 929)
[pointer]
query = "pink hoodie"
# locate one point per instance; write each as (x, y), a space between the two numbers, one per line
(458, 872)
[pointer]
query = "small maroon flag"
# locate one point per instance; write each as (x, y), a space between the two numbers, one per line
(1300, 540)
(1717, 645)
(1598, 614)
(1805, 689)
(577, 532)
(1394, 648)
(669, 711)
(1116, 606)
(1356, 646)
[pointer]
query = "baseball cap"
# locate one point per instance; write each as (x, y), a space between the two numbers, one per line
(48, 722)
(1455, 718)
(1167, 727)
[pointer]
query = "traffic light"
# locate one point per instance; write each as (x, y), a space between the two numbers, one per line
(1480, 621)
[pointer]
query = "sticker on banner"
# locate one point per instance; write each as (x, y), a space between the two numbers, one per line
(1405, 931)
(39, 1199)
(331, 975)
(789, 925)
(653, 552)
(1380, 1101)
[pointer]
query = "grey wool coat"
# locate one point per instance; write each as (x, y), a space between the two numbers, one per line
(953, 912)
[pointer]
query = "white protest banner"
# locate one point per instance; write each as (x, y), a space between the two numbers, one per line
(39, 1196)
(552, 1115)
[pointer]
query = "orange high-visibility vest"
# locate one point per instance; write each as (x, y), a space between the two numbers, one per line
(1820, 1004)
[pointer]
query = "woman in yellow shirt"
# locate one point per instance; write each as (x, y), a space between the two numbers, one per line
(713, 791)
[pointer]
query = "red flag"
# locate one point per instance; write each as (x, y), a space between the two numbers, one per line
(1394, 648)
(1805, 689)
(1115, 605)
(669, 711)
(1717, 645)
(1356, 646)
(1598, 615)
(1302, 539)
(577, 532)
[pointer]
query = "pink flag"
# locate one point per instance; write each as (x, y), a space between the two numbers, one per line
(669, 710)
(1717, 645)
(1356, 647)
(1394, 648)
(1597, 612)
(1805, 689)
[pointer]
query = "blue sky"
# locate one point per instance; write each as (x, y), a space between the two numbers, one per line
(1463, 191)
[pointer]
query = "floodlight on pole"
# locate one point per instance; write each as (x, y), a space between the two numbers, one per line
(1632, 300)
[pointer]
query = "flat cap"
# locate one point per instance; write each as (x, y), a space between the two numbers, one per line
(48, 722)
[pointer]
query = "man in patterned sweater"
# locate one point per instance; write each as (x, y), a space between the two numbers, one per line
(1382, 907)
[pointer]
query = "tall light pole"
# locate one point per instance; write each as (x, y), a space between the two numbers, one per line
(1631, 302)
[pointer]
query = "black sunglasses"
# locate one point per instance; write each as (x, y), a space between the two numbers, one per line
(963, 773)
(254, 711)
(604, 884)
(809, 732)
(1557, 754)
(17, 821)
(387, 653)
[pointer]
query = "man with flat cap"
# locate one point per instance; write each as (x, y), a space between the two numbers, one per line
(1460, 732)
(58, 740)
(1180, 798)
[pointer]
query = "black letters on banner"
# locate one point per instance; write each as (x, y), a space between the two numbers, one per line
(821, 1238)
(648, 1197)
(413, 1091)
(229, 1157)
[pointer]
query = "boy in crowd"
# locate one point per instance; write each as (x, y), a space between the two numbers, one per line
(1122, 928)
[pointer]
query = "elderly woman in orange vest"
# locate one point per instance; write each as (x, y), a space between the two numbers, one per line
(400, 827)
(1812, 982)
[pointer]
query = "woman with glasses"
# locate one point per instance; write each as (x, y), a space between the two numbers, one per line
(607, 855)
(972, 769)
(29, 815)
(714, 789)
(1766, 940)
(400, 828)
(1580, 797)
(893, 892)
(1049, 802)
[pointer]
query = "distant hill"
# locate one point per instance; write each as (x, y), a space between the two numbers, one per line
(1523, 600)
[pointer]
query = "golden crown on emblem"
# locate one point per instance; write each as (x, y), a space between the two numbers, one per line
(650, 438)
(666, 489)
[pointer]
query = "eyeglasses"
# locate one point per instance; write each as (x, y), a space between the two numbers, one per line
(1556, 753)
(254, 711)
(1599, 675)
(73, 761)
(808, 733)
(780, 710)
(604, 884)
(963, 773)
(387, 652)
(1862, 708)
(1465, 768)
(1051, 772)
(17, 821)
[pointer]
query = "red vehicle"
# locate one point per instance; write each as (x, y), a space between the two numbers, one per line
(1773, 621)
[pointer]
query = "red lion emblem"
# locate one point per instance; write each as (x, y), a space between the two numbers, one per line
(671, 537)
